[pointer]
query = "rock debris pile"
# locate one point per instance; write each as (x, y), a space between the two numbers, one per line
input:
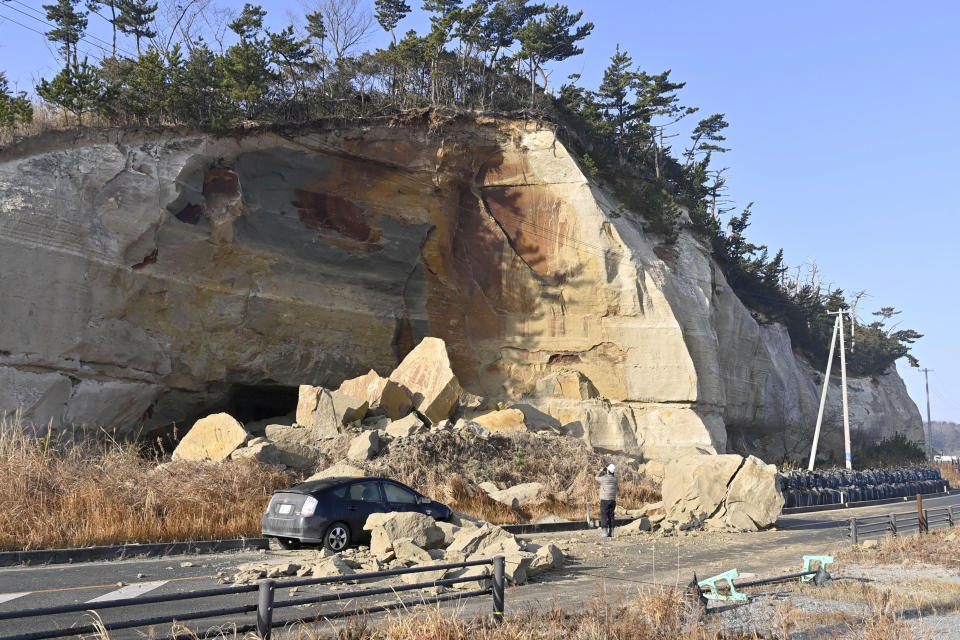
(408, 539)
(419, 395)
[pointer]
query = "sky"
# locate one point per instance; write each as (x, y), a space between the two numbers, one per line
(844, 123)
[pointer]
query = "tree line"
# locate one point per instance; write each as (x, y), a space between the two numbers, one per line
(485, 56)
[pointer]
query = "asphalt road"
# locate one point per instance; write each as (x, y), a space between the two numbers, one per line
(622, 564)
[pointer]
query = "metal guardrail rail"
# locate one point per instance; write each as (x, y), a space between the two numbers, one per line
(266, 603)
(898, 524)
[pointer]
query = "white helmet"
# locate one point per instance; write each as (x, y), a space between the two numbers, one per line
(612, 468)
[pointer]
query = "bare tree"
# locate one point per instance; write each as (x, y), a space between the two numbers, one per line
(184, 23)
(348, 23)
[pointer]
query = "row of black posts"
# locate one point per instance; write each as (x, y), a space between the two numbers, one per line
(802, 488)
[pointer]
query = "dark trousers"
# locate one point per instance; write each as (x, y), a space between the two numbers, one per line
(607, 510)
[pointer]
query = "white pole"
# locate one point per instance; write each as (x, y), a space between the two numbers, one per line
(843, 387)
(823, 400)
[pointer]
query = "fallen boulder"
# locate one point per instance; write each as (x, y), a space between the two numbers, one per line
(708, 491)
(387, 528)
(325, 412)
(754, 500)
(505, 420)
(471, 540)
(408, 552)
(489, 487)
(639, 525)
(339, 470)
(405, 427)
(364, 446)
(425, 374)
(545, 557)
(298, 443)
(516, 566)
(520, 494)
(212, 438)
(335, 566)
(267, 453)
(384, 395)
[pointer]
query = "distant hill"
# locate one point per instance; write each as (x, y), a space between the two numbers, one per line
(945, 437)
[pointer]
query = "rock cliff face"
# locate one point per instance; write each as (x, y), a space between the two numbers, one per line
(148, 278)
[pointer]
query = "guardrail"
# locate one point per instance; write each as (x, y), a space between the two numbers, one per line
(897, 524)
(266, 603)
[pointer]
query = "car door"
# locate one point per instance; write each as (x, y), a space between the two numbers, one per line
(401, 498)
(363, 498)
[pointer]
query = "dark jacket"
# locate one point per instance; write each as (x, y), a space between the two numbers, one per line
(608, 485)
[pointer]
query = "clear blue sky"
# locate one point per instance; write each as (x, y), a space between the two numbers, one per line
(845, 119)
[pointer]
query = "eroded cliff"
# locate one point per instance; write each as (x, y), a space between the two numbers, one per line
(148, 278)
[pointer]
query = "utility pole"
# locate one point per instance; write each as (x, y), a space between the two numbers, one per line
(837, 332)
(929, 433)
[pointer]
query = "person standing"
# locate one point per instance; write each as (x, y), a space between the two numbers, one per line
(607, 477)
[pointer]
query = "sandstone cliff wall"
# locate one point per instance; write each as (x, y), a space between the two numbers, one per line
(150, 277)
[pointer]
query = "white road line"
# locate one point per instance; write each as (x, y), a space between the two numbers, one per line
(7, 597)
(130, 591)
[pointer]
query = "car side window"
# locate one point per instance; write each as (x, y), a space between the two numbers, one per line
(398, 494)
(365, 492)
(339, 492)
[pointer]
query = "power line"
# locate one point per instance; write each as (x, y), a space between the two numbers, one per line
(89, 37)
(20, 24)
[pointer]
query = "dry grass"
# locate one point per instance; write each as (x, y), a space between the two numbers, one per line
(951, 474)
(663, 614)
(45, 119)
(660, 614)
(86, 491)
(934, 548)
(894, 599)
(445, 464)
(80, 492)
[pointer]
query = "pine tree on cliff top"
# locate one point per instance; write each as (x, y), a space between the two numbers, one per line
(135, 19)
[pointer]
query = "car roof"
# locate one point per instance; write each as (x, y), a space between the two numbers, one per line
(324, 483)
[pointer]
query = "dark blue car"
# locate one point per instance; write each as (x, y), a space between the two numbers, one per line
(333, 511)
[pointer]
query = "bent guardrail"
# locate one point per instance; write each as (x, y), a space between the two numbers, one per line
(266, 603)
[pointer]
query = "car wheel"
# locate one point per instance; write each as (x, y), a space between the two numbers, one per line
(288, 543)
(337, 537)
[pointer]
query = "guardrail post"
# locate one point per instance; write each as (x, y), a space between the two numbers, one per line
(588, 515)
(265, 608)
(498, 589)
(921, 516)
(893, 523)
(853, 531)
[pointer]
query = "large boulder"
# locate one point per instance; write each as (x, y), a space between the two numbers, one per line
(386, 528)
(753, 499)
(707, 491)
(266, 452)
(325, 412)
(409, 553)
(426, 375)
(212, 438)
(364, 446)
(470, 540)
(405, 427)
(339, 470)
(385, 396)
(299, 444)
(505, 420)
(520, 494)
(545, 557)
